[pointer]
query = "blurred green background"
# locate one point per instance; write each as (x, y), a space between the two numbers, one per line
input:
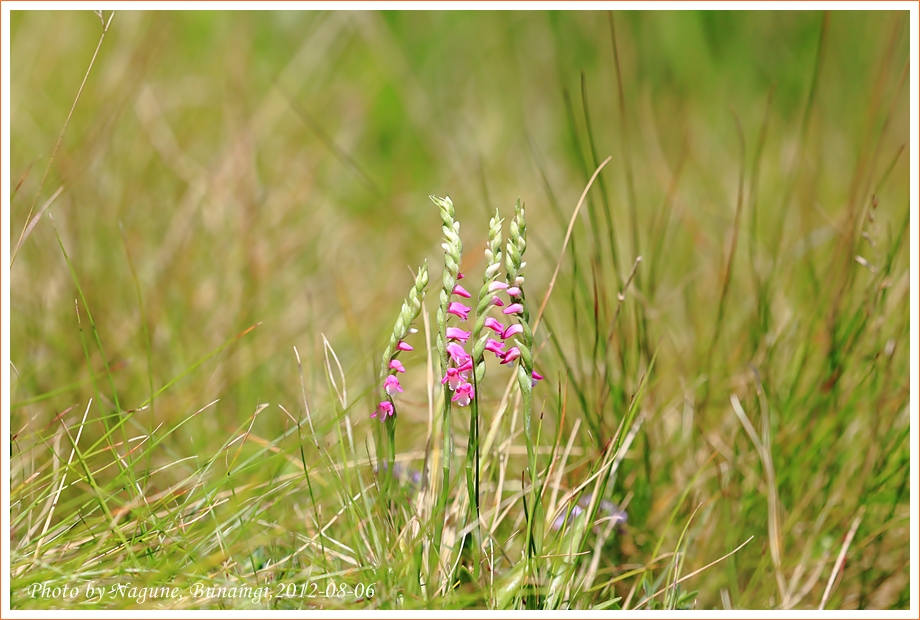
(274, 168)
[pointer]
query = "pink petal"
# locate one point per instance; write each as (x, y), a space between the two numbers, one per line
(497, 302)
(391, 385)
(457, 353)
(512, 354)
(495, 347)
(402, 346)
(497, 286)
(494, 325)
(514, 291)
(397, 366)
(457, 334)
(463, 394)
(513, 309)
(385, 409)
(461, 292)
(458, 309)
(517, 328)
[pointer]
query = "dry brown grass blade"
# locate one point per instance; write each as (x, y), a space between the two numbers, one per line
(57, 145)
(565, 242)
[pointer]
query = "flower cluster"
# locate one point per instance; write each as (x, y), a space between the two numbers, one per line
(459, 364)
(514, 308)
(391, 365)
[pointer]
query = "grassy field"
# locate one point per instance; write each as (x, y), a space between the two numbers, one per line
(215, 218)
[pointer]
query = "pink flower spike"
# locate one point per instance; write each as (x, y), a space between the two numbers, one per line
(391, 385)
(458, 309)
(402, 346)
(517, 328)
(496, 347)
(461, 292)
(385, 409)
(463, 394)
(497, 286)
(514, 291)
(497, 302)
(397, 366)
(494, 325)
(512, 354)
(513, 309)
(457, 334)
(457, 354)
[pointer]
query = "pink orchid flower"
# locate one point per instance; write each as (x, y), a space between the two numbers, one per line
(513, 309)
(458, 309)
(454, 378)
(497, 286)
(385, 409)
(456, 333)
(397, 366)
(496, 347)
(391, 385)
(457, 354)
(512, 354)
(461, 292)
(517, 328)
(494, 325)
(463, 394)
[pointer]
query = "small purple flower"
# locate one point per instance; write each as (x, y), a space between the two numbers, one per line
(457, 354)
(402, 346)
(456, 333)
(463, 394)
(535, 376)
(517, 328)
(391, 385)
(385, 409)
(514, 291)
(397, 366)
(497, 286)
(495, 346)
(513, 309)
(567, 517)
(498, 303)
(461, 292)
(459, 310)
(494, 325)
(510, 355)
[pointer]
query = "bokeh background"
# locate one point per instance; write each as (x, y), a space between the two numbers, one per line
(229, 169)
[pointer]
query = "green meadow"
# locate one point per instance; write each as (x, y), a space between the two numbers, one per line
(215, 218)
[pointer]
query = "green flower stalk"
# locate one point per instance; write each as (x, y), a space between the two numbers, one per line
(480, 341)
(448, 349)
(390, 365)
(523, 352)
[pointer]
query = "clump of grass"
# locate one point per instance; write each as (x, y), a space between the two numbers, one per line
(740, 393)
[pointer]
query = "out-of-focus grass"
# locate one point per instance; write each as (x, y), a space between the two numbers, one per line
(227, 170)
